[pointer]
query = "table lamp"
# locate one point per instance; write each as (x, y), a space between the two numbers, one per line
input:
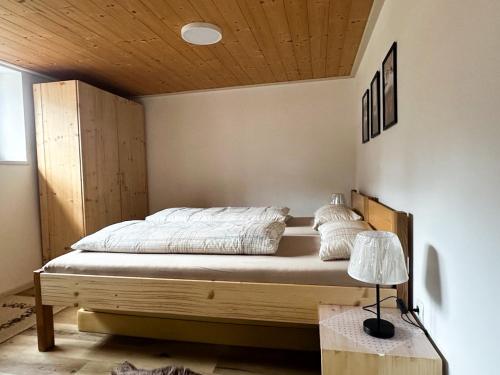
(337, 198)
(378, 258)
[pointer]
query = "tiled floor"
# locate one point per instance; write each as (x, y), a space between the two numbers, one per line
(86, 353)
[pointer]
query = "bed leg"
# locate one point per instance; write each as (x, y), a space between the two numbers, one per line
(44, 318)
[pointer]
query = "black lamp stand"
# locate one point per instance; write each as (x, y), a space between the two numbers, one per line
(377, 327)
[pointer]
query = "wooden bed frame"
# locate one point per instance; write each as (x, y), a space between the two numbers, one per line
(287, 303)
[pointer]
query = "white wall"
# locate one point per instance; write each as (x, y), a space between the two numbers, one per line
(287, 144)
(20, 248)
(441, 162)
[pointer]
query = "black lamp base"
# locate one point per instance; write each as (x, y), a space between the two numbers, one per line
(381, 330)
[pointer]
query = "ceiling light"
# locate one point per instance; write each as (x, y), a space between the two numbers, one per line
(201, 33)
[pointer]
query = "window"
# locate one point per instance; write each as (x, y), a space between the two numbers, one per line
(12, 125)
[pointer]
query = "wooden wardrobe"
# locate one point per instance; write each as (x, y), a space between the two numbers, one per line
(91, 162)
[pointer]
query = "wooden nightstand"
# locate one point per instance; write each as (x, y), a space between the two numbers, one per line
(347, 350)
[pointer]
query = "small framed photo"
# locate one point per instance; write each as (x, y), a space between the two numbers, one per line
(365, 117)
(390, 87)
(375, 105)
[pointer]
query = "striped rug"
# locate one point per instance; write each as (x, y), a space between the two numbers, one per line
(17, 314)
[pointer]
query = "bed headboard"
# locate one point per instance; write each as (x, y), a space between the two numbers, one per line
(381, 217)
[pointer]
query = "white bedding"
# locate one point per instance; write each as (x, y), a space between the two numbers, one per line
(140, 236)
(220, 214)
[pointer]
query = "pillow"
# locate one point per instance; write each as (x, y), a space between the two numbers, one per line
(337, 238)
(220, 214)
(334, 212)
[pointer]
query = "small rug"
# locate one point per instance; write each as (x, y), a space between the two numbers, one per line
(17, 314)
(127, 368)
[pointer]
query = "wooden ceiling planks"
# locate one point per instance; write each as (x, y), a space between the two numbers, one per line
(39, 20)
(274, 14)
(298, 23)
(337, 26)
(260, 26)
(355, 28)
(134, 46)
(232, 19)
(318, 12)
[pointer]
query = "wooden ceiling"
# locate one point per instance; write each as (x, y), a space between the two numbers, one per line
(134, 46)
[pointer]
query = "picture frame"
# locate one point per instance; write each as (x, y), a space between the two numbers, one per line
(375, 105)
(390, 88)
(365, 117)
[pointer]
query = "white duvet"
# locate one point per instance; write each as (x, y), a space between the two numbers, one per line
(140, 236)
(220, 214)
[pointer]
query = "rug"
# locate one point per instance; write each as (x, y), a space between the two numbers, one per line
(17, 314)
(127, 368)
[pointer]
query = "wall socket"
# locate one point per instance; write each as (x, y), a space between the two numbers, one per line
(420, 305)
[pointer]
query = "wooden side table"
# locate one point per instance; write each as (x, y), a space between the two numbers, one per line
(347, 350)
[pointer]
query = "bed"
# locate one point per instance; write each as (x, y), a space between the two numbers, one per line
(284, 288)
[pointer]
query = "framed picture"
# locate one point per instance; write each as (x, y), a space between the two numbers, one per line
(365, 117)
(390, 87)
(375, 105)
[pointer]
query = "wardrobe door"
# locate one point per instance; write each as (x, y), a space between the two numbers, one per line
(58, 154)
(132, 150)
(100, 160)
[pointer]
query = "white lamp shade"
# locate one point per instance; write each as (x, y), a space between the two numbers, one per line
(378, 258)
(337, 198)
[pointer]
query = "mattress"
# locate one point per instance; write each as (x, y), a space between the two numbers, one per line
(296, 262)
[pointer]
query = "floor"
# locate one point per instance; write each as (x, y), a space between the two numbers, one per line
(88, 353)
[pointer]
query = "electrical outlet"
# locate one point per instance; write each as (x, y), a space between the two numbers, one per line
(420, 305)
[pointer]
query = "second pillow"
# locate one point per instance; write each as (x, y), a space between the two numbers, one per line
(337, 238)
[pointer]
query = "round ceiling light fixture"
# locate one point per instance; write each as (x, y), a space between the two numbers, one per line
(201, 33)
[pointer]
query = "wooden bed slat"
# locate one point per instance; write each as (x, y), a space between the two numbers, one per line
(221, 299)
(201, 330)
